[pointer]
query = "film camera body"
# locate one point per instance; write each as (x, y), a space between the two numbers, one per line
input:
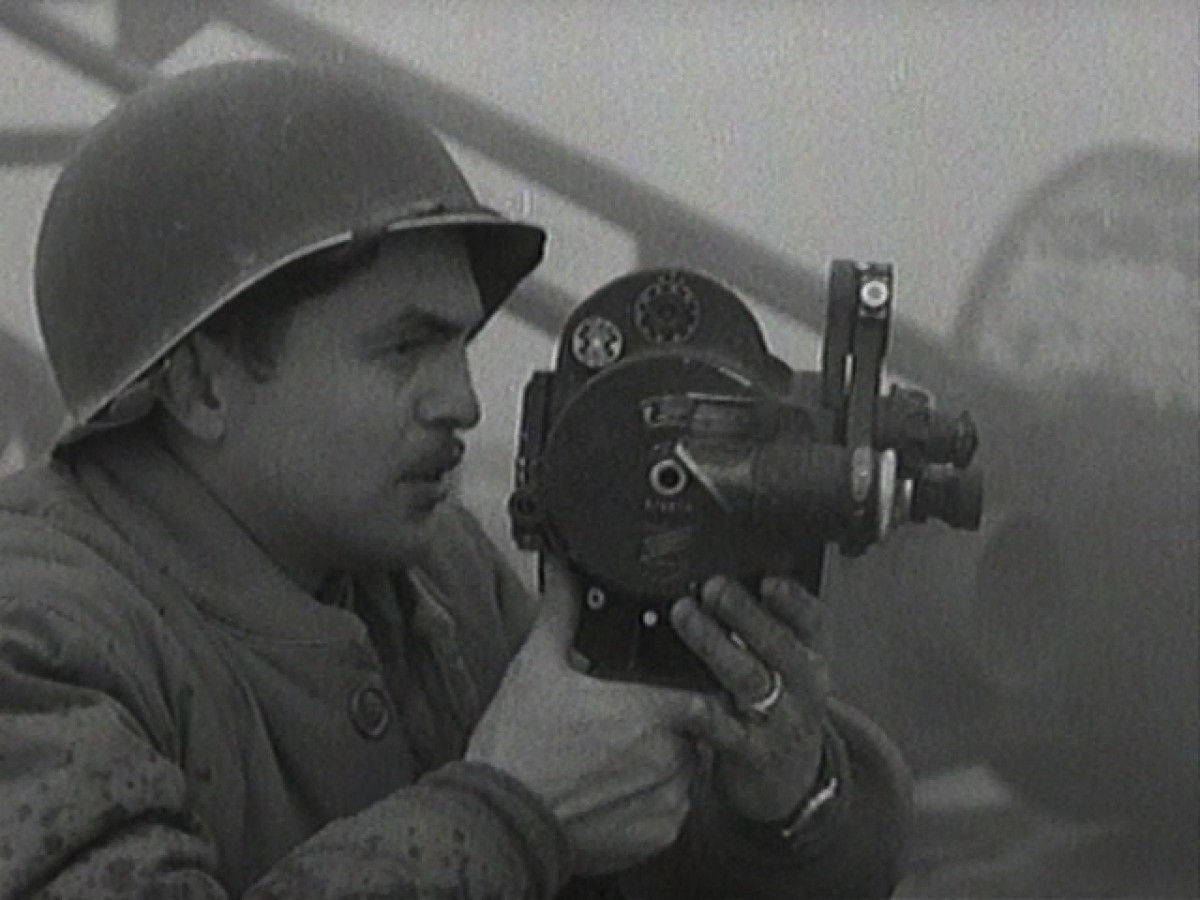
(669, 445)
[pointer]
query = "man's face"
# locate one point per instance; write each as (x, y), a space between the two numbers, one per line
(339, 459)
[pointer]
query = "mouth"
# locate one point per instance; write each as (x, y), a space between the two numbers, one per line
(436, 465)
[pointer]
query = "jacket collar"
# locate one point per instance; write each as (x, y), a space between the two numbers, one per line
(175, 522)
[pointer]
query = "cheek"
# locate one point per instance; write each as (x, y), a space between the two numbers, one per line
(335, 428)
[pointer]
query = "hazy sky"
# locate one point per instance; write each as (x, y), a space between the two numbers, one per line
(899, 131)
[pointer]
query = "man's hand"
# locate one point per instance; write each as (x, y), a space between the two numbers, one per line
(765, 762)
(613, 761)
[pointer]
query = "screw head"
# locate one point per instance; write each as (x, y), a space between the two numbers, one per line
(874, 294)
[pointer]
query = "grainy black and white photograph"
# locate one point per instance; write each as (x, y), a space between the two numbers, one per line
(599, 449)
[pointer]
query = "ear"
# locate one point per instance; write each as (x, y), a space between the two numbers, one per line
(196, 389)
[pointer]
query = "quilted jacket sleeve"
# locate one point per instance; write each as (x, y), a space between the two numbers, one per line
(93, 804)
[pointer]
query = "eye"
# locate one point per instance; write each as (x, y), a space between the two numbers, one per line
(409, 347)
(411, 341)
(406, 346)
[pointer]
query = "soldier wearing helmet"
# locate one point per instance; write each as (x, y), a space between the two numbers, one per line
(250, 646)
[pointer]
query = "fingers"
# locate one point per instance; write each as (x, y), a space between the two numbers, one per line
(771, 640)
(670, 764)
(558, 615)
(739, 671)
(706, 718)
(694, 715)
(659, 766)
(742, 640)
(672, 798)
(789, 602)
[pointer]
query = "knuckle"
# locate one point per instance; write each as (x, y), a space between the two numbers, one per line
(749, 683)
(709, 642)
(788, 589)
(666, 833)
(725, 597)
(695, 626)
(674, 793)
(712, 589)
(675, 818)
(786, 593)
(697, 708)
(721, 594)
(655, 834)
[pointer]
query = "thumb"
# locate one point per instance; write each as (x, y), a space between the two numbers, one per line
(703, 717)
(558, 615)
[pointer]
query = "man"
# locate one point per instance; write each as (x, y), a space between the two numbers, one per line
(248, 644)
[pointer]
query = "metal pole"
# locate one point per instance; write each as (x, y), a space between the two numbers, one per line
(20, 147)
(85, 56)
(666, 231)
(150, 30)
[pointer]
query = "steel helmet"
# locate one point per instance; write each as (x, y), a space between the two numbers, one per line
(201, 185)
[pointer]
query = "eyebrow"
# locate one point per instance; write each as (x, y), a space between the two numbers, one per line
(415, 320)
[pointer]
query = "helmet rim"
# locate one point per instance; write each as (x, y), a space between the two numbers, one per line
(496, 274)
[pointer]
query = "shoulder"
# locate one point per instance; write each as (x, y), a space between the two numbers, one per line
(72, 607)
(40, 493)
(52, 538)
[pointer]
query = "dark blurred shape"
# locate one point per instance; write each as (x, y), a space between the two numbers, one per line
(1062, 648)
(150, 30)
(953, 496)
(1090, 297)
(47, 146)
(97, 62)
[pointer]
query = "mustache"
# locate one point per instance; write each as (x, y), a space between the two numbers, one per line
(437, 460)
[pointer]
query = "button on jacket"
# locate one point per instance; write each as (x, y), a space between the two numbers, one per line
(177, 718)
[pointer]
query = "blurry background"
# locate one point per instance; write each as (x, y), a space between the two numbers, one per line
(1031, 168)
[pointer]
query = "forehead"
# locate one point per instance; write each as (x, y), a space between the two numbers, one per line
(426, 273)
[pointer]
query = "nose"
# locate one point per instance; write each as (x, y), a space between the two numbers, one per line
(449, 399)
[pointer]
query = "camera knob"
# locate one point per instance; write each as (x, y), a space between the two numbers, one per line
(964, 441)
(954, 496)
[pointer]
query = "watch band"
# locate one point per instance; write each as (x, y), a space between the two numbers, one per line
(829, 785)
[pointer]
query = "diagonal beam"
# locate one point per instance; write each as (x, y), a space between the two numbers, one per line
(36, 147)
(85, 56)
(667, 231)
(149, 30)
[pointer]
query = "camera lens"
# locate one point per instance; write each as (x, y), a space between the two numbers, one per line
(667, 478)
(955, 496)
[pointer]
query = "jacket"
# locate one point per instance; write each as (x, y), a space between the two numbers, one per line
(179, 719)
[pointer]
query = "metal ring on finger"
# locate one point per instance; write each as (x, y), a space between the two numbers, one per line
(762, 707)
